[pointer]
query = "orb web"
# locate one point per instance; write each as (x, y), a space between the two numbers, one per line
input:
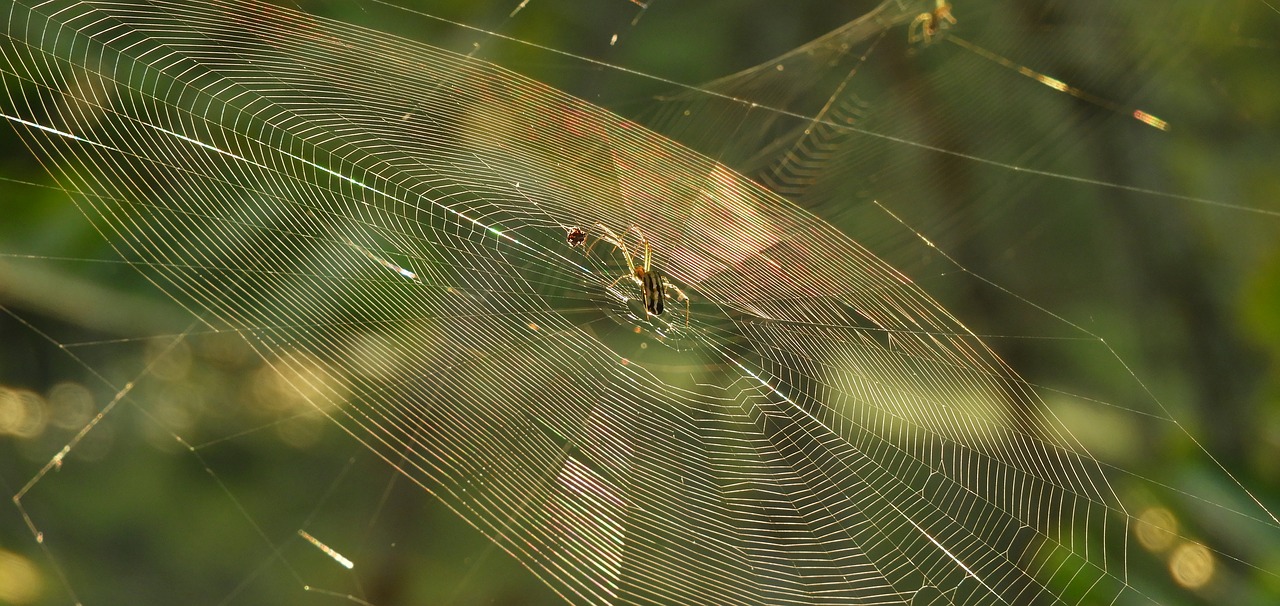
(385, 223)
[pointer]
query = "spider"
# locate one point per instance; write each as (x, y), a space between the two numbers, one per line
(927, 25)
(653, 284)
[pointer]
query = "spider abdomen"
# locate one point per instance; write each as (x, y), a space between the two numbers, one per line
(654, 292)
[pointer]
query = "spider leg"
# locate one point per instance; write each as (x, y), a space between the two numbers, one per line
(618, 243)
(648, 250)
(619, 279)
(680, 297)
(919, 29)
(624, 297)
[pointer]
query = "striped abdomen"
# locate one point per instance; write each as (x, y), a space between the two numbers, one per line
(654, 292)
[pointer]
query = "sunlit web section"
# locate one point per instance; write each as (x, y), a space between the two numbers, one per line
(822, 431)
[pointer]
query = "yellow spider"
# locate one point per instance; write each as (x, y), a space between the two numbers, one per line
(927, 25)
(654, 286)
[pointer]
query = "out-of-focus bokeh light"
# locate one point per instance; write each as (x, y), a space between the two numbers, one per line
(168, 360)
(226, 349)
(23, 413)
(295, 389)
(175, 410)
(20, 581)
(70, 405)
(1191, 565)
(1156, 529)
(368, 354)
(301, 431)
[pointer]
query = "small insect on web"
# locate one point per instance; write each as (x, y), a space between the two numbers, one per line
(929, 24)
(654, 286)
(576, 236)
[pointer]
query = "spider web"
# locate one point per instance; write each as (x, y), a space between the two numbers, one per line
(383, 222)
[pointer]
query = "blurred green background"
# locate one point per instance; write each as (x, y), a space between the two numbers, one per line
(1101, 257)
